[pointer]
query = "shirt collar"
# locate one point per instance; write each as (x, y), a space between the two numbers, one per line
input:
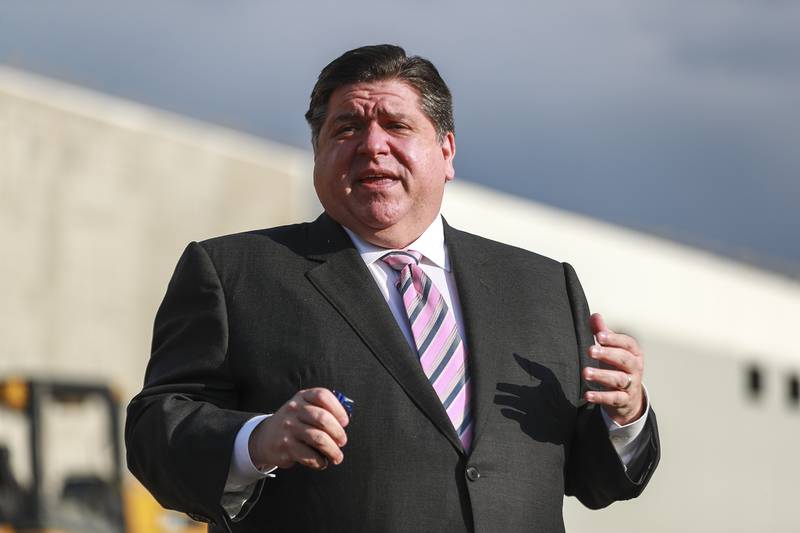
(430, 244)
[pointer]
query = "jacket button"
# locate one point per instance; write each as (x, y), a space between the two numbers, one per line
(473, 473)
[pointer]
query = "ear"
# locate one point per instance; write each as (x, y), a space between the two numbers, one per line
(449, 153)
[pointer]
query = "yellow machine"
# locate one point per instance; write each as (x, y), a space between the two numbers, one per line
(74, 478)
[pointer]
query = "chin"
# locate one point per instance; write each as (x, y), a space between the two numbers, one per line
(381, 217)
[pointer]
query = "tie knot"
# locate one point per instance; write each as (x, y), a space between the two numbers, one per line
(400, 259)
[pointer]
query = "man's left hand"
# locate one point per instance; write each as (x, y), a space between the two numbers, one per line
(620, 373)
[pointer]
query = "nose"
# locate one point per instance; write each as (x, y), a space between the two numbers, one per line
(374, 141)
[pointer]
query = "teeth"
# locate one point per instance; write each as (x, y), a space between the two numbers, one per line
(376, 177)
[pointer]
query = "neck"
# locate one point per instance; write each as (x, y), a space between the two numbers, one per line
(385, 240)
(394, 237)
(397, 236)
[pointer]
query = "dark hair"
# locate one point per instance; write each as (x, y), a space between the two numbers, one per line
(378, 63)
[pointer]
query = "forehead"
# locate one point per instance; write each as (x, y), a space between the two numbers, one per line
(387, 96)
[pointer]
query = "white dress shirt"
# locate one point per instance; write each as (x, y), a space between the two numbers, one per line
(435, 263)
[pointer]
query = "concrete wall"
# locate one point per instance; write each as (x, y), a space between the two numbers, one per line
(98, 198)
(97, 201)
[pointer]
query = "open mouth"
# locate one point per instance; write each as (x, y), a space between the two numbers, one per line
(377, 180)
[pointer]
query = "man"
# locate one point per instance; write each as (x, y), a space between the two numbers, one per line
(469, 361)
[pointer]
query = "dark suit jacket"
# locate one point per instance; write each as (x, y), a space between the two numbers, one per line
(250, 319)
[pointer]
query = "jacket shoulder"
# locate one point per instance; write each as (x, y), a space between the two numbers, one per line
(501, 252)
(288, 239)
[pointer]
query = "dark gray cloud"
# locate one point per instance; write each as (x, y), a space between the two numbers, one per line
(753, 39)
(679, 118)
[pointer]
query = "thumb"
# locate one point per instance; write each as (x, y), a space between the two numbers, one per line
(598, 324)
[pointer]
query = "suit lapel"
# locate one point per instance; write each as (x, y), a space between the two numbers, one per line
(343, 279)
(481, 305)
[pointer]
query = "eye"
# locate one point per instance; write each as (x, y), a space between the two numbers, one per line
(345, 130)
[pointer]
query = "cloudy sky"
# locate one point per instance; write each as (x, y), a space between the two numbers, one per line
(673, 117)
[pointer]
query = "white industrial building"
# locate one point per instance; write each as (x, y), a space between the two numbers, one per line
(98, 198)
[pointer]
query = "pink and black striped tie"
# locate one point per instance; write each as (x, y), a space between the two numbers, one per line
(439, 345)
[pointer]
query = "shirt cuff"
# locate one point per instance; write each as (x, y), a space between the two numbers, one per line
(243, 474)
(625, 439)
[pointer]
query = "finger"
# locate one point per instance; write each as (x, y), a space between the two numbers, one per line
(619, 340)
(616, 358)
(322, 443)
(324, 398)
(324, 420)
(508, 400)
(305, 455)
(509, 388)
(598, 324)
(616, 398)
(513, 414)
(610, 379)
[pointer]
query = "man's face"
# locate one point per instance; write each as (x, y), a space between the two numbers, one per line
(379, 168)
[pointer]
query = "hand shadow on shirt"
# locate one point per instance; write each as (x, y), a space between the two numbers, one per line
(543, 411)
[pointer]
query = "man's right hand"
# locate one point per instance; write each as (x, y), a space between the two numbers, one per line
(308, 429)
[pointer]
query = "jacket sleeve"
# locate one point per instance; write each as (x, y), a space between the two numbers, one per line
(181, 427)
(594, 472)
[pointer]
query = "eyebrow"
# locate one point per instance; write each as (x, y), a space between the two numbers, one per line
(397, 116)
(347, 116)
